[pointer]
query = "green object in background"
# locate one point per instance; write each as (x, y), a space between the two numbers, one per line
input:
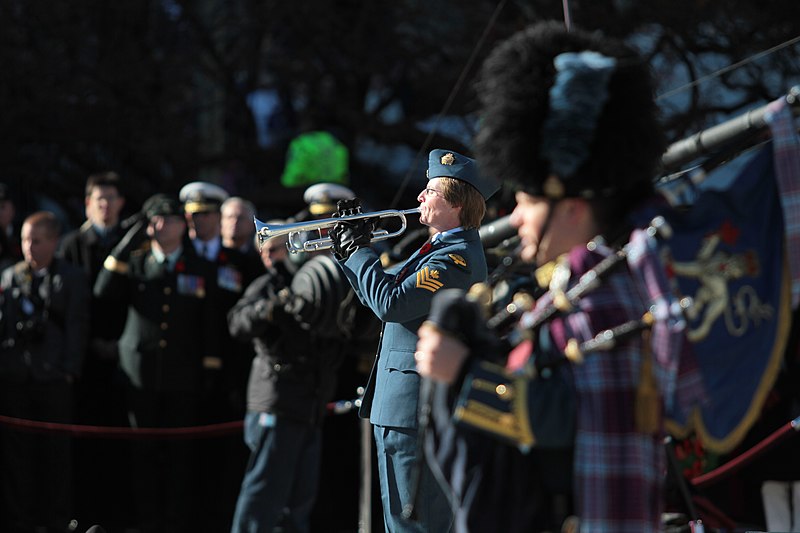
(315, 157)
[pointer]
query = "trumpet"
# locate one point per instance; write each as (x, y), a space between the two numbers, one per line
(297, 242)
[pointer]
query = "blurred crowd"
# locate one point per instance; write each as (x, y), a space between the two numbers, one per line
(125, 323)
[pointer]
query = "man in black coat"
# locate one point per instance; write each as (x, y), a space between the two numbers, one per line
(301, 321)
(44, 308)
(293, 377)
(99, 399)
(87, 247)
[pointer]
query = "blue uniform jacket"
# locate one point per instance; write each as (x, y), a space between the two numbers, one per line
(401, 298)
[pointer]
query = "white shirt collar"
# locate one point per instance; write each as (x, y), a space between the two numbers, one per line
(172, 257)
(437, 236)
(212, 248)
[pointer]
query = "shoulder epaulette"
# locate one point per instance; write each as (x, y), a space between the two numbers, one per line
(458, 260)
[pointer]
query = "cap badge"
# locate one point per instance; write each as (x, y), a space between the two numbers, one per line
(448, 159)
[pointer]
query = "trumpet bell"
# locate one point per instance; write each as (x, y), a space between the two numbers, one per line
(297, 233)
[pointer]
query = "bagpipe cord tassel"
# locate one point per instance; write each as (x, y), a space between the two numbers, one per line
(648, 400)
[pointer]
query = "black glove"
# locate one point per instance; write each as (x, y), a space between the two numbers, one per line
(283, 308)
(297, 307)
(133, 239)
(347, 237)
(347, 207)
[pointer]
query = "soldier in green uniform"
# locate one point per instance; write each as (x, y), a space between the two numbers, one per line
(170, 294)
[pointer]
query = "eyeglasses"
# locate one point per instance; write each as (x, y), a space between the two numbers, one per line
(431, 192)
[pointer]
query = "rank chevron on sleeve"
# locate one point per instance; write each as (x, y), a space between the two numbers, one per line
(426, 279)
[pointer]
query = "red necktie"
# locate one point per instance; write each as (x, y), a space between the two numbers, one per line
(425, 248)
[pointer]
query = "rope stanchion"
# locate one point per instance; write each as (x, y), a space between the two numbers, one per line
(733, 465)
(118, 432)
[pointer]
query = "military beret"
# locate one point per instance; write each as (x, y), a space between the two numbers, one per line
(202, 197)
(322, 197)
(162, 205)
(449, 164)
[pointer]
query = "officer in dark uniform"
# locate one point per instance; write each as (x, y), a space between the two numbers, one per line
(234, 271)
(225, 376)
(201, 201)
(171, 300)
(44, 311)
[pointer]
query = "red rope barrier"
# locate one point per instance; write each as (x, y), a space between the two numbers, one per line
(112, 432)
(106, 432)
(731, 466)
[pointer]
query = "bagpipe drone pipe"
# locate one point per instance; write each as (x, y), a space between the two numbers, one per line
(733, 262)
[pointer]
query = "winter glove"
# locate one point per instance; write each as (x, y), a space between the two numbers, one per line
(350, 235)
(296, 306)
(347, 237)
(133, 239)
(347, 207)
